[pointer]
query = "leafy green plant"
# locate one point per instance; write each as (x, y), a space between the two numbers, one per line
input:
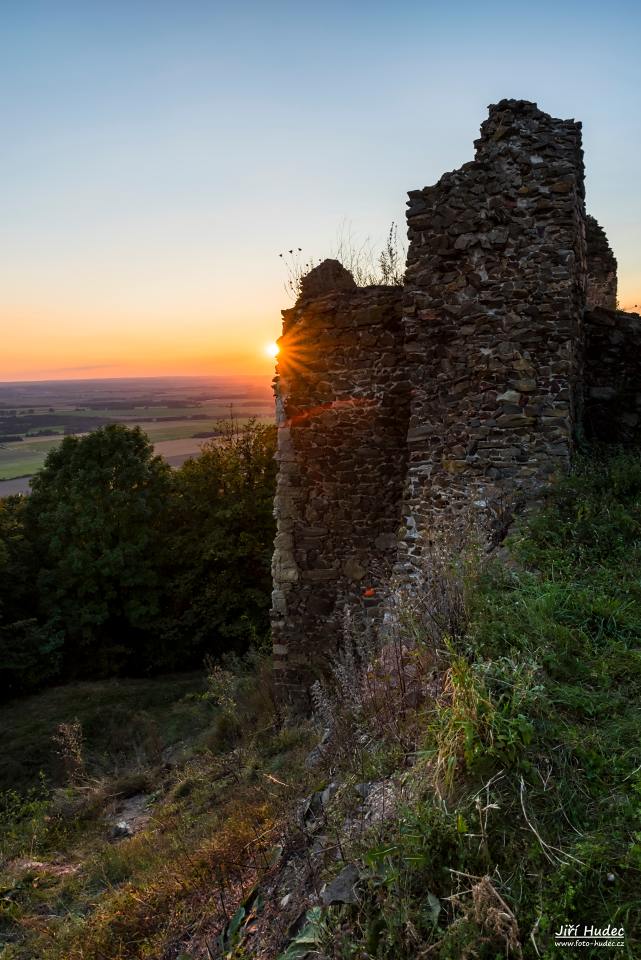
(310, 937)
(483, 715)
(230, 939)
(23, 822)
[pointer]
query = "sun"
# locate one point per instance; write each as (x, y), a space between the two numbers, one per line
(272, 349)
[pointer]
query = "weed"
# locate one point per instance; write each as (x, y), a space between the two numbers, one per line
(23, 821)
(368, 266)
(296, 269)
(69, 741)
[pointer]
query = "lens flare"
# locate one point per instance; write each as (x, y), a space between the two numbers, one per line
(272, 349)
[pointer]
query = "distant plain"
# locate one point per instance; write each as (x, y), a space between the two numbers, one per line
(178, 414)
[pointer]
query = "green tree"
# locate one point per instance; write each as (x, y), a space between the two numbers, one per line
(29, 655)
(95, 522)
(222, 540)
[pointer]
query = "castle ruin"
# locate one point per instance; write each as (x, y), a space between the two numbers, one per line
(402, 409)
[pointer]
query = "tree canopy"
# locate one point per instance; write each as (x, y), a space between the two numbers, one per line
(117, 564)
(223, 533)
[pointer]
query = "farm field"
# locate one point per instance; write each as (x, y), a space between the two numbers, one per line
(177, 413)
(24, 458)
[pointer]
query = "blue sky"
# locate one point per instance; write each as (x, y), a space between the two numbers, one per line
(157, 156)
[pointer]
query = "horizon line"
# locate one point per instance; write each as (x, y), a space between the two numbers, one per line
(171, 376)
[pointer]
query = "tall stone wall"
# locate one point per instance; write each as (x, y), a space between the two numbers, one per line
(342, 401)
(612, 411)
(602, 268)
(494, 296)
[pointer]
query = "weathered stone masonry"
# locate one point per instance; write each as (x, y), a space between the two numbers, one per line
(602, 268)
(342, 415)
(612, 403)
(403, 410)
(493, 303)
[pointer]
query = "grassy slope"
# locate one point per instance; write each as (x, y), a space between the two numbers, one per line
(68, 891)
(530, 760)
(118, 717)
(524, 767)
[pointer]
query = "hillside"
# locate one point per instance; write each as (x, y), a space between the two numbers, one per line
(477, 787)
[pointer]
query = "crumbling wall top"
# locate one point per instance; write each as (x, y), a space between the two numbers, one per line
(602, 268)
(521, 134)
(329, 276)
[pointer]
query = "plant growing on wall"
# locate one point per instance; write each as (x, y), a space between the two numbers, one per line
(368, 266)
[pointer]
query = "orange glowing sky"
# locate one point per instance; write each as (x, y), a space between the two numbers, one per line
(157, 157)
(62, 333)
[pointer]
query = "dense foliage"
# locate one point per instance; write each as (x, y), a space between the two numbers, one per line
(29, 654)
(222, 533)
(117, 564)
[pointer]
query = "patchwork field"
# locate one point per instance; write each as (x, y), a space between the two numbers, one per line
(178, 414)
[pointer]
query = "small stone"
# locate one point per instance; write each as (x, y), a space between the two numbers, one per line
(524, 386)
(314, 757)
(328, 793)
(523, 365)
(343, 888)
(385, 541)
(353, 569)
(562, 186)
(121, 830)
(510, 396)
(514, 420)
(453, 466)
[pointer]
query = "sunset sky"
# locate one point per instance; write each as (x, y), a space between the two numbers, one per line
(158, 155)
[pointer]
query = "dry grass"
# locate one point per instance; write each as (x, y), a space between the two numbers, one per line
(210, 822)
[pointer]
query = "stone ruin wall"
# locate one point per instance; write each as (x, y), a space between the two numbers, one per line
(602, 268)
(612, 352)
(612, 403)
(494, 297)
(342, 400)
(403, 411)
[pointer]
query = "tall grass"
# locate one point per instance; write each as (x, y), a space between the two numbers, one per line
(369, 263)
